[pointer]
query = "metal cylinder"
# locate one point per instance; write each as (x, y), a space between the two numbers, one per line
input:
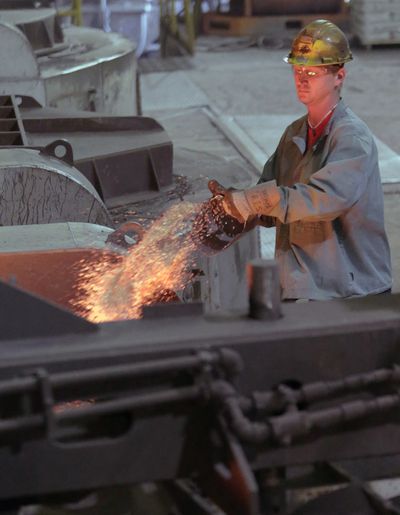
(290, 7)
(39, 188)
(264, 289)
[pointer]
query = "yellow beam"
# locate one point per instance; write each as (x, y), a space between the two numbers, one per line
(75, 12)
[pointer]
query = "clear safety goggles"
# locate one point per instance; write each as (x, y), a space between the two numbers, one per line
(301, 71)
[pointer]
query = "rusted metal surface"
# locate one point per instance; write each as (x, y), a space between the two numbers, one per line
(52, 274)
(46, 260)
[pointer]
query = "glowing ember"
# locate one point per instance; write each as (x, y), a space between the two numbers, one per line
(159, 264)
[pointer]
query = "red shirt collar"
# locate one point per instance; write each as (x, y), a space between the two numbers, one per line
(313, 135)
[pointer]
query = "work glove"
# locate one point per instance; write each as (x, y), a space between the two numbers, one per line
(233, 201)
(247, 204)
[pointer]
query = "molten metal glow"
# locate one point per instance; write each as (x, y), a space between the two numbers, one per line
(159, 264)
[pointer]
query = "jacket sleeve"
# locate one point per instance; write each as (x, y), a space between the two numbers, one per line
(269, 173)
(331, 190)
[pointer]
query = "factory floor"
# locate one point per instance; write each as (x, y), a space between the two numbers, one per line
(226, 108)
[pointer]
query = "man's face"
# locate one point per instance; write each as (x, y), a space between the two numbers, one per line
(315, 84)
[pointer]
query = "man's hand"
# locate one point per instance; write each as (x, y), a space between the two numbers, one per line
(233, 201)
(245, 204)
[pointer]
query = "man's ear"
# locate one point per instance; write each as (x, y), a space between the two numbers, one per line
(340, 76)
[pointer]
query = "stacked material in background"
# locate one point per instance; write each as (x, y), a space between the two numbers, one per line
(376, 22)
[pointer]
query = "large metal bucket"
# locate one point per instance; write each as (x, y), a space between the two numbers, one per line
(137, 20)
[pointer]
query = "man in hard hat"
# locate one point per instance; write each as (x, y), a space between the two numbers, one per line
(321, 187)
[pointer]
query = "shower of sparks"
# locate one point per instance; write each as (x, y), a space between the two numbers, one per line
(159, 264)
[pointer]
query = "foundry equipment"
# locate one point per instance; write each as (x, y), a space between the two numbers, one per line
(137, 20)
(106, 275)
(67, 67)
(37, 187)
(191, 252)
(72, 167)
(219, 401)
(108, 159)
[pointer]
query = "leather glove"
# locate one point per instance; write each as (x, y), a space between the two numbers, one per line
(234, 201)
(245, 204)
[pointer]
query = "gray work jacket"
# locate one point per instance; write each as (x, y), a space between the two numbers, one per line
(331, 239)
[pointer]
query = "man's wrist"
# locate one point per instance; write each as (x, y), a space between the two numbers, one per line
(262, 198)
(240, 201)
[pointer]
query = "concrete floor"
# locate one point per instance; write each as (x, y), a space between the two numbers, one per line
(226, 108)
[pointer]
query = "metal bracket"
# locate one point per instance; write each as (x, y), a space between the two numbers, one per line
(60, 149)
(118, 236)
(47, 398)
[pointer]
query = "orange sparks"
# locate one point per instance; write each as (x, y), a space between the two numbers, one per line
(159, 263)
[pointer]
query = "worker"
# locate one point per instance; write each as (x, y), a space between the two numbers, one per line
(321, 188)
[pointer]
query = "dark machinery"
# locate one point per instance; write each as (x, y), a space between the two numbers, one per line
(218, 401)
(58, 167)
(119, 155)
(289, 7)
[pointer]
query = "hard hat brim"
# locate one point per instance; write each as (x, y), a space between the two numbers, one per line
(295, 61)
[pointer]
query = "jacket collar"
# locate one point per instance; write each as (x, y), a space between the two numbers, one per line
(338, 113)
(300, 139)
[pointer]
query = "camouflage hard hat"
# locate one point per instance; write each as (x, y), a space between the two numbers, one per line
(320, 43)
